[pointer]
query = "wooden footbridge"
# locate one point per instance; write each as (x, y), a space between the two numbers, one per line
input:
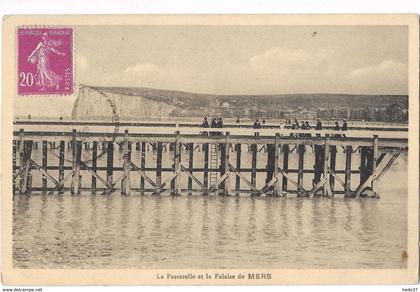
(217, 174)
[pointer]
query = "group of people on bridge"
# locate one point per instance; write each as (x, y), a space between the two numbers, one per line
(217, 122)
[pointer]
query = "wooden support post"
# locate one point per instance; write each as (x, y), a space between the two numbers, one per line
(27, 153)
(79, 183)
(222, 163)
(14, 166)
(159, 164)
(326, 190)
(142, 163)
(347, 178)
(94, 164)
(190, 164)
(29, 187)
(227, 190)
(333, 151)
(285, 166)
(363, 164)
(276, 190)
(206, 165)
(125, 182)
(301, 155)
(21, 159)
(61, 165)
(254, 149)
(375, 154)
(270, 163)
(73, 164)
(177, 161)
(44, 166)
(318, 166)
(76, 181)
(109, 163)
(238, 168)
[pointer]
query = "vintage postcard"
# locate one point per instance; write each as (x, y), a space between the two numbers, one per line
(210, 149)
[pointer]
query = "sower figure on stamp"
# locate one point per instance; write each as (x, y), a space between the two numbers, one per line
(40, 56)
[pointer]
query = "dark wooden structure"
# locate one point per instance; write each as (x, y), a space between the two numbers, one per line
(376, 157)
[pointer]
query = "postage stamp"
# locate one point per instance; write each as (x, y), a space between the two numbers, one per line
(45, 61)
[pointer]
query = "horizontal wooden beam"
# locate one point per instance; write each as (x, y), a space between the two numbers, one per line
(396, 144)
(191, 124)
(196, 169)
(244, 191)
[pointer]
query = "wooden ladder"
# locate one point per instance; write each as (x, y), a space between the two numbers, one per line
(213, 163)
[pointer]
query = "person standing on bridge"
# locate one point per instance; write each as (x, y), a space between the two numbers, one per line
(205, 124)
(337, 128)
(257, 124)
(344, 127)
(318, 127)
(213, 125)
(307, 127)
(220, 122)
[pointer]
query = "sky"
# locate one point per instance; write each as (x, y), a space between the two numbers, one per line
(242, 59)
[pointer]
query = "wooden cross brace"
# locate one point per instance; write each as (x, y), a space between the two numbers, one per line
(267, 187)
(243, 178)
(143, 174)
(159, 190)
(214, 186)
(381, 168)
(196, 180)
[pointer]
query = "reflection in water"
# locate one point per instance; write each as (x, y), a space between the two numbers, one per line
(64, 231)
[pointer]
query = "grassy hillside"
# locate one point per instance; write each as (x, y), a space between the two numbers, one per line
(370, 107)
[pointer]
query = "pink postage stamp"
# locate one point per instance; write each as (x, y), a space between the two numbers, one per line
(45, 61)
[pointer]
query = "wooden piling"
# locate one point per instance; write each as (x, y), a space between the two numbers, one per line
(177, 160)
(301, 156)
(29, 184)
(125, 183)
(326, 190)
(347, 175)
(159, 164)
(44, 166)
(285, 166)
(109, 163)
(319, 162)
(27, 153)
(238, 168)
(270, 164)
(276, 190)
(254, 149)
(375, 154)
(365, 163)
(61, 165)
(190, 164)
(227, 189)
(13, 167)
(206, 165)
(94, 164)
(222, 167)
(142, 163)
(333, 153)
(73, 155)
(75, 185)
(21, 159)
